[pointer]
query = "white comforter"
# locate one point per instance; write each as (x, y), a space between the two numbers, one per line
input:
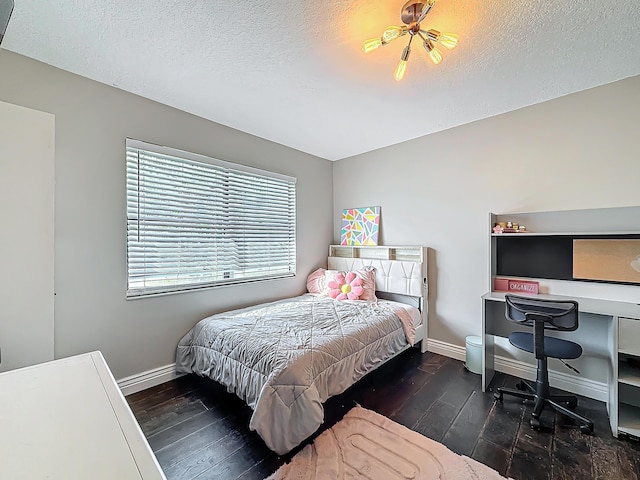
(286, 358)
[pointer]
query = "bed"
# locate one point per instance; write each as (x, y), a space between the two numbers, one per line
(286, 358)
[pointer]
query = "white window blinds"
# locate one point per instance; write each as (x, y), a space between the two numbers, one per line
(196, 222)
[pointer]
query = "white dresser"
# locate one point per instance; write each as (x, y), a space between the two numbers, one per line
(68, 420)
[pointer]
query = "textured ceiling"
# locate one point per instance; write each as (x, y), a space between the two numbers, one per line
(293, 71)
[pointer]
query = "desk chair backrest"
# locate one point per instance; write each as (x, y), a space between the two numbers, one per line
(541, 314)
(556, 314)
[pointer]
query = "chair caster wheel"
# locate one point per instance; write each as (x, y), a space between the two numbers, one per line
(497, 396)
(535, 424)
(586, 429)
(520, 386)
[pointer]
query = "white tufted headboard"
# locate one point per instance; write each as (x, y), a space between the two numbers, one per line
(399, 270)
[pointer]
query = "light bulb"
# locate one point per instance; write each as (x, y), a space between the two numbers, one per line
(435, 56)
(392, 32)
(434, 53)
(402, 64)
(448, 40)
(400, 69)
(371, 44)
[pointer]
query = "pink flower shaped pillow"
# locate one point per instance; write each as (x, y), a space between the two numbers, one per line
(346, 287)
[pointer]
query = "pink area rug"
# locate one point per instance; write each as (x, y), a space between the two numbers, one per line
(366, 445)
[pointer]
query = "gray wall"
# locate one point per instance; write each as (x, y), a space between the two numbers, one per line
(92, 121)
(27, 159)
(575, 152)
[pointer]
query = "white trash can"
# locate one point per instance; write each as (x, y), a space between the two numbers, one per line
(474, 354)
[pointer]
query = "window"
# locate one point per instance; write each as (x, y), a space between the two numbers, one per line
(196, 222)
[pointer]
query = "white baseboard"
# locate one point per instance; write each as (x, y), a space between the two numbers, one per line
(150, 378)
(564, 381)
(447, 349)
(570, 383)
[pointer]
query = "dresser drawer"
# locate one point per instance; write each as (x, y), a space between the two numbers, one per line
(629, 336)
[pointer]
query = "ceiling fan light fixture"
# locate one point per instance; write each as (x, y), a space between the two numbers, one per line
(413, 12)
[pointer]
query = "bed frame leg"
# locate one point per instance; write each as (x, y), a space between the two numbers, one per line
(423, 345)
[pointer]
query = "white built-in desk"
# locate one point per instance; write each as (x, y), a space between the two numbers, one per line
(609, 330)
(68, 420)
(622, 346)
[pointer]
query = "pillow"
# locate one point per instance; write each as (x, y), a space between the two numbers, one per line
(317, 281)
(368, 275)
(346, 287)
(356, 285)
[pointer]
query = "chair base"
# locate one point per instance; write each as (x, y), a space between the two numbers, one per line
(560, 403)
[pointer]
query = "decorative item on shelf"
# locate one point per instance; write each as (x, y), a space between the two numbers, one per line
(515, 286)
(413, 12)
(509, 227)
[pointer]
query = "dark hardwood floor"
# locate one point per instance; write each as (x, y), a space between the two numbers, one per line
(199, 431)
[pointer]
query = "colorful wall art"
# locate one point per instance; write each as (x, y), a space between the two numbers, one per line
(360, 226)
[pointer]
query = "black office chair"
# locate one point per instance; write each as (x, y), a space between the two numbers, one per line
(553, 315)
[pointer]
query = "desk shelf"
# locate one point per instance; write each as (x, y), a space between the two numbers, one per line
(629, 419)
(628, 374)
(565, 234)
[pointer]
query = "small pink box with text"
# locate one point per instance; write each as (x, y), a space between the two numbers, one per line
(515, 286)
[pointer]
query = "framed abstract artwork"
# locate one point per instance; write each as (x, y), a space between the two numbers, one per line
(360, 226)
